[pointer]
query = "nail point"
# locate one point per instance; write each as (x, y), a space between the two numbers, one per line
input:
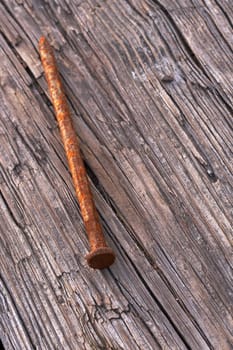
(42, 40)
(100, 258)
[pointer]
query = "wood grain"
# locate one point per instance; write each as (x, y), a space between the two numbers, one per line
(149, 85)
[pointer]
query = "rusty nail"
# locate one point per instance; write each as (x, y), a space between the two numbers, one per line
(100, 255)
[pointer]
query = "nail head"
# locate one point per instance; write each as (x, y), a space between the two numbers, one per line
(100, 258)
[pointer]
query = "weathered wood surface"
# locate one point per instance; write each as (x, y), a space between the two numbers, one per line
(150, 89)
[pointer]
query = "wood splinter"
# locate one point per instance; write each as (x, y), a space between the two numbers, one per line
(100, 255)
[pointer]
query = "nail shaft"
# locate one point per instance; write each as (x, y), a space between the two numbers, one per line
(100, 255)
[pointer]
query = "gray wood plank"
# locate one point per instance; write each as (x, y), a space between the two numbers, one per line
(149, 85)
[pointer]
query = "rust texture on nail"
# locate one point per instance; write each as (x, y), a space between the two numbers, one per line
(100, 255)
